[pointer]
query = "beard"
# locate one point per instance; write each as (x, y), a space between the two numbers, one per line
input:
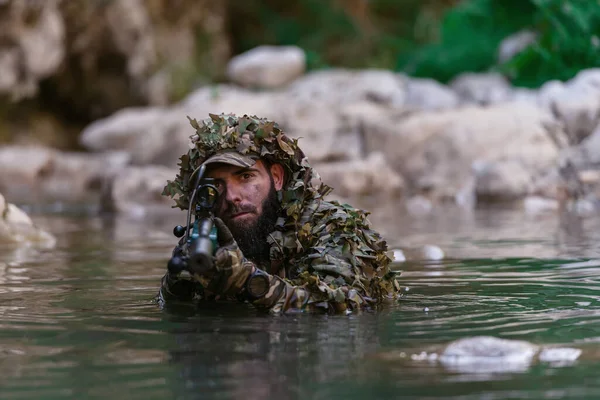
(251, 237)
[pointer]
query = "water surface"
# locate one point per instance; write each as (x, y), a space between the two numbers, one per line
(79, 321)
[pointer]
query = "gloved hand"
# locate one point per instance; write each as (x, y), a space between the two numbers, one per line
(230, 268)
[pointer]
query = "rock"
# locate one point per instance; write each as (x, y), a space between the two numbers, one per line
(481, 89)
(503, 180)
(429, 95)
(22, 169)
(144, 133)
(419, 205)
(228, 99)
(97, 57)
(267, 66)
(524, 95)
(418, 254)
(514, 44)
(560, 355)
(137, 191)
(342, 86)
(538, 204)
(37, 176)
(159, 136)
(435, 152)
(33, 47)
(487, 354)
(324, 133)
(576, 104)
(371, 177)
(77, 178)
(586, 153)
(16, 228)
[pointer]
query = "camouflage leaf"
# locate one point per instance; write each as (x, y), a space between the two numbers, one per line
(243, 124)
(194, 123)
(284, 146)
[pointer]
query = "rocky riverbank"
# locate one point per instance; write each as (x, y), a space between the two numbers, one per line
(375, 136)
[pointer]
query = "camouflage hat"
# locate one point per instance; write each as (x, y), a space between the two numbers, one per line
(232, 157)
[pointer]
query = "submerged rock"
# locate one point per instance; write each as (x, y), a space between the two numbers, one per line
(481, 354)
(488, 354)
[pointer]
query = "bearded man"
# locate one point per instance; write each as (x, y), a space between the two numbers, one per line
(275, 227)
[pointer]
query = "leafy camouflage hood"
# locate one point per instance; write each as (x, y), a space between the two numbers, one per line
(249, 135)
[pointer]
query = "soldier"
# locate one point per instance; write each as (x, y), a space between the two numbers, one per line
(282, 246)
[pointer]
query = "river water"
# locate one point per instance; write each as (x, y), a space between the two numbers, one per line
(79, 321)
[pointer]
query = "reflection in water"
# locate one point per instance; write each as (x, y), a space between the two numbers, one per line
(79, 321)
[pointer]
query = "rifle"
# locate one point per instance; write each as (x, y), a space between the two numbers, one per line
(201, 242)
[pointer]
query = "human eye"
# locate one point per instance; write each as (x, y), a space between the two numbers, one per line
(247, 176)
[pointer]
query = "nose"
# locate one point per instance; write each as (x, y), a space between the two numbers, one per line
(232, 194)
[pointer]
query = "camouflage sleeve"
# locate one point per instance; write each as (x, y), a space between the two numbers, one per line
(341, 265)
(327, 292)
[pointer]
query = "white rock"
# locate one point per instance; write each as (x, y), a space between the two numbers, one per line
(559, 354)
(137, 191)
(368, 177)
(37, 175)
(484, 89)
(428, 94)
(143, 132)
(487, 354)
(419, 205)
(503, 180)
(342, 86)
(42, 43)
(537, 204)
(17, 228)
(576, 103)
(267, 66)
(435, 151)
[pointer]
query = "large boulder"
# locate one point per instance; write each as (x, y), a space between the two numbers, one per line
(159, 136)
(137, 191)
(32, 48)
(370, 177)
(17, 228)
(267, 67)
(575, 103)
(37, 175)
(342, 86)
(439, 153)
(96, 57)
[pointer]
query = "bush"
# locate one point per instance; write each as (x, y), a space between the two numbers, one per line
(472, 31)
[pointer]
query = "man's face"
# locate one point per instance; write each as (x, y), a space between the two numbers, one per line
(248, 203)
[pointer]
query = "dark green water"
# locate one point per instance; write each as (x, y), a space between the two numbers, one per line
(79, 322)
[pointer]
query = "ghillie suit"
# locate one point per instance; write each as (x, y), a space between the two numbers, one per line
(323, 254)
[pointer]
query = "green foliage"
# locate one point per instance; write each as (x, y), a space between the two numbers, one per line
(469, 36)
(335, 33)
(568, 43)
(472, 31)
